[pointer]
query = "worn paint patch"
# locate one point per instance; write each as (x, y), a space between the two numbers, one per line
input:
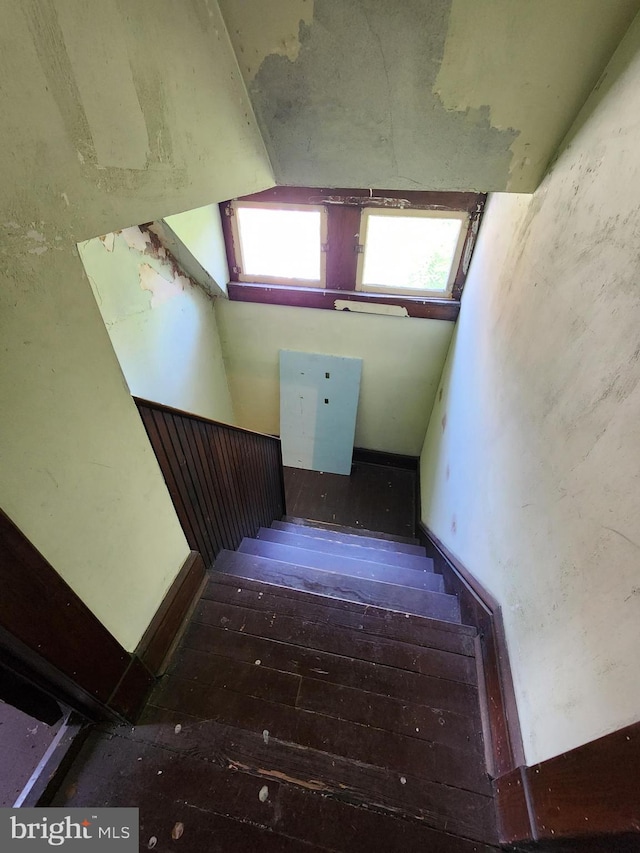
(135, 238)
(370, 308)
(161, 287)
(310, 784)
(108, 241)
(105, 84)
(256, 35)
(528, 68)
(34, 238)
(357, 104)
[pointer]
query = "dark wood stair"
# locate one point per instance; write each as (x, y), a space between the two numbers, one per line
(323, 697)
(343, 565)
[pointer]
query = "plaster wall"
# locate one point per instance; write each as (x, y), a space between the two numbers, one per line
(530, 470)
(423, 94)
(402, 359)
(112, 114)
(200, 232)
(162, 326)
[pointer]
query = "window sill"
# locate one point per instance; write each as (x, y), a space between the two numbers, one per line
(429, 308)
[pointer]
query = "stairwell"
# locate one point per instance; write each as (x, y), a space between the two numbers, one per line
(323, 697)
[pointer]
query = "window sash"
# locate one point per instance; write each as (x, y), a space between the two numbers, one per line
(367, 212)
(279, 280)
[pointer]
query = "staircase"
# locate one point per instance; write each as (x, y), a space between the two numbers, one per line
(323, 697)
(343, 563)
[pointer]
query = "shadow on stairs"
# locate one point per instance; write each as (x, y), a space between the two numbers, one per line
(323, 697)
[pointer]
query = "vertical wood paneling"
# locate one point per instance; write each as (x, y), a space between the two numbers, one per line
(224, 482)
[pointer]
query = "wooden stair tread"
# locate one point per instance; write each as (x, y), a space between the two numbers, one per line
(355, 531)
(323, 697)
(343, 640)
(361, 782)
(208, 777)
(423, 630)
(352, 566)
(403, 755)
(349, 538)
(332, 584)
(431, 691)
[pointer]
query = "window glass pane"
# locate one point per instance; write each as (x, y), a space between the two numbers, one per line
(410, 252)
(280, 243)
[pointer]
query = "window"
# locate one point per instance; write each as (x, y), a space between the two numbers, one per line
(407, 253)
(410, 252)
(280, 244)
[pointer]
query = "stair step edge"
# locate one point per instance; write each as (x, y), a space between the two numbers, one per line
(372, 589)
(220, 576)
(327, 535)
(400, 576)
(356, 531)
(345, 549)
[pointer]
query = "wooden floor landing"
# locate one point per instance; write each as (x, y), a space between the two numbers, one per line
(288, 722)
(374, 496)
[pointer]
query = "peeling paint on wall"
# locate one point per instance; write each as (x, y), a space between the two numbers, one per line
(527, 67)
(256, 35)
(66, 402)
(161, 323)
(161, 287)
(134, 237)
(33, 239)
(542, 399)
(357, 107)
(423, 94)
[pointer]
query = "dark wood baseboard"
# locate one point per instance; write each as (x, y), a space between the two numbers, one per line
(581, 801)
(50, 640)
(390, 460)
(159, 636)
(49, 636)
(478, 607)
(578, 800)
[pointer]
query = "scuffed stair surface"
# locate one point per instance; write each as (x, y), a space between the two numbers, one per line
(336, 585)
(340, 565)
(355, 531)
(345, 565)
(356, 550)
(305, 709)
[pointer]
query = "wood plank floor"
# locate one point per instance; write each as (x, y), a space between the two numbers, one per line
(374, 497)
(292, 722)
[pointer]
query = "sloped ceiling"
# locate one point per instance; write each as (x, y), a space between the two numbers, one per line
(420, 94)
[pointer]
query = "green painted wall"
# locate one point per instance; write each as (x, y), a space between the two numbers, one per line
(200, 232)
(421, 94)
(530, 470)
(402, 363)
(162, 326)
(112, 115)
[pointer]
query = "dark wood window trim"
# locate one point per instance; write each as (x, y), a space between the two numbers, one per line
(344, 207)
